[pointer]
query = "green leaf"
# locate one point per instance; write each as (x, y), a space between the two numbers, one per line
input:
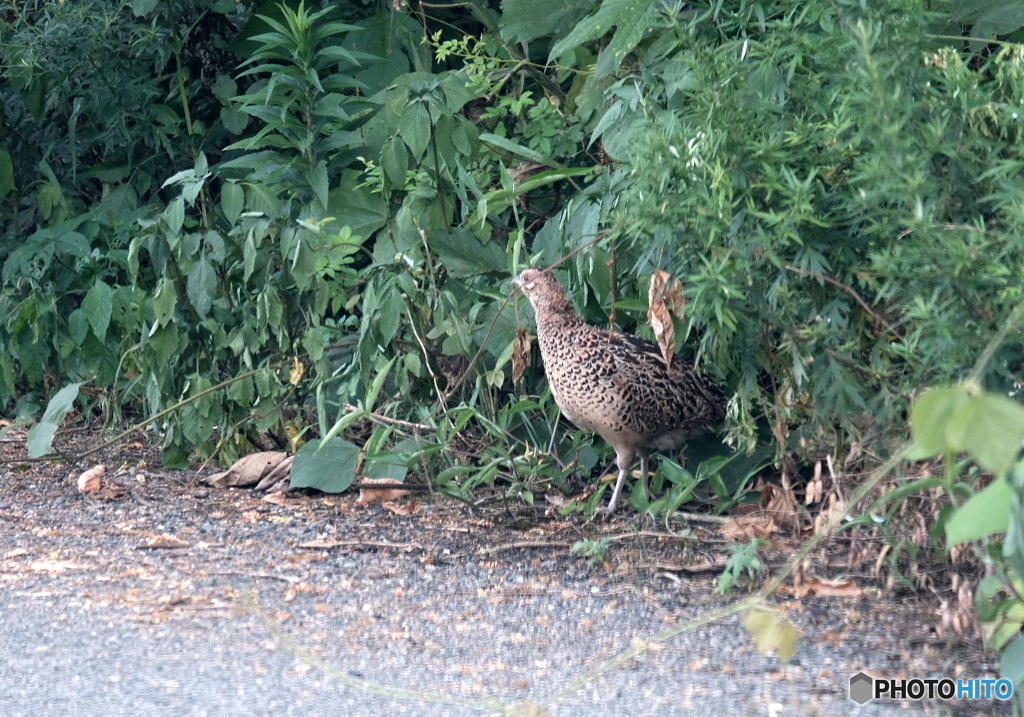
(331, 468)
(986, 513)
(930, 418)
(317, 179)
(40, 436)
(232, 201)
(202, 285)
(235, 121)
(356, 207)
(6, 173)
(414, 127)
(630, 18)
(1011, 662)
(463, 255)
(224, 88)
(990, 427)
(174, 215)
(97, 306)
(143, 7)
(517, 150)
(164, 301)
(526, 20)
(78, 326)
(395, 160)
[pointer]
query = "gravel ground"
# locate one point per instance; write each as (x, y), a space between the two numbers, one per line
(162, 597)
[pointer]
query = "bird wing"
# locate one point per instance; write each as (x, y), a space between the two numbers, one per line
(662, 398)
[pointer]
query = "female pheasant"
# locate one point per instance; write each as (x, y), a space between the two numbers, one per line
(616, 385)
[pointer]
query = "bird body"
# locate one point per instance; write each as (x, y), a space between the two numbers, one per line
(617, 385)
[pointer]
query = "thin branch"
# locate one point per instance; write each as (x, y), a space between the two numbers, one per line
(821, 277)
(377, 418)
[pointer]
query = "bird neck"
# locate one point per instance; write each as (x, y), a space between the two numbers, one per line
(555, 315)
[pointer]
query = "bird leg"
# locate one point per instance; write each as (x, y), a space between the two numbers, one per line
(615, 493)
(643, 477)
(623, 461)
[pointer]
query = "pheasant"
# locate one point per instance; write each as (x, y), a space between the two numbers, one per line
(616, 385)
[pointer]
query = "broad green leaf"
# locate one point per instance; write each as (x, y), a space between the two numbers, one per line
(78, 326)
(414, 127)
(6, 173)
(202, 285)
(629, 17)
(234, 120)
(930, 417)
(1011, 662)
(232, 201)
(120, 203)
(526, 20)
(463, 255)
(395, 160)
(331, 468)
(990, 427)
(164, 301)
(143, 7)
(317, 179)
(97, 307)
(986, 513)
(356, 207)
(174, 215)
(40, 436)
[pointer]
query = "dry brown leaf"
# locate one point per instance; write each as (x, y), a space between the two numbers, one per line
(658, 316)
(748, 527)
(276, 499)
(166, 540)
(295, 373)
(247, 470)
(779, 504)
(664, 299)
(815, 488)
(278, 480)
(520, 354)
(89, 481)
(523, 170)
(369, 495)
(830, 588)
(409, 508)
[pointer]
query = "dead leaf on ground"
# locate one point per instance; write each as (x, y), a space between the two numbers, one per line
(164, 541)
(771, 632)
(369, 495)
(779, 503)
(89, 481)
(276, 499)
(747, 527)
(520, 354)
(409, 508)
(663, 298)
(827, 588)
(250, 469)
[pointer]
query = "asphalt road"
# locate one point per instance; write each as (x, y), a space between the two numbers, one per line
(137, 605)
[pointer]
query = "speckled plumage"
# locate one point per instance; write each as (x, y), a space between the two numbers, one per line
(617, 385)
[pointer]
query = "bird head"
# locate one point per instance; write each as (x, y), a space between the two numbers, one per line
(542, 289)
